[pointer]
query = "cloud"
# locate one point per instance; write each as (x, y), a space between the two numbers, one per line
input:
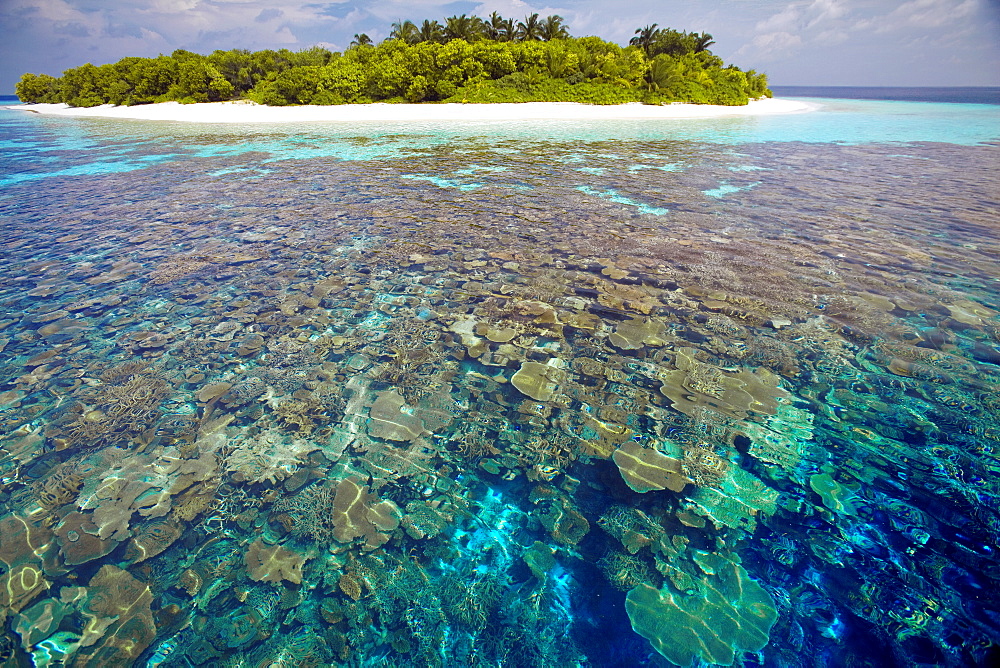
(268, 14)
(789, 18)
(927, 14)
(125, 30)
(776, 43)
(824, 11)
(875, 42)
(71, 28)
(799, 24)
(168, 6)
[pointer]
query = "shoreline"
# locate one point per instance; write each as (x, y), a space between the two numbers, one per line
(243, 111)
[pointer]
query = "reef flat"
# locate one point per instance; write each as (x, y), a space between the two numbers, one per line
(505, 403)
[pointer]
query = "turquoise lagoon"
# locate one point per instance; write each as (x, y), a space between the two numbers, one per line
(690, 392)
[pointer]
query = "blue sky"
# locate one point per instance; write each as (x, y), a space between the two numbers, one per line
(798, 42)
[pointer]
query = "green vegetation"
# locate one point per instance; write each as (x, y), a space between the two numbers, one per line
(466, 59)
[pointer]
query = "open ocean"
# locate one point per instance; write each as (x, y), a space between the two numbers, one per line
(959, 94)
(686, 392)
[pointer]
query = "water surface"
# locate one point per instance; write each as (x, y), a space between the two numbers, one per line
(524, 395)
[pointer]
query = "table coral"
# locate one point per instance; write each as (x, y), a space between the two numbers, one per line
(358, 514)
(729, 614)
(121, 604)
(151, 539)
(736, 500)
(268, 456)
(273, 563)
(40, 621)
(27, 552)
(636, 332)
(538, 381)
(563, 521)
(694, 385)
(389, 422)
(113, 622)
(79, 539)
(648, 469)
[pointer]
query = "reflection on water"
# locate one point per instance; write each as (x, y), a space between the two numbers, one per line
(466, 404)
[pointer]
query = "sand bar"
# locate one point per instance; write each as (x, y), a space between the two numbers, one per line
(250, 112)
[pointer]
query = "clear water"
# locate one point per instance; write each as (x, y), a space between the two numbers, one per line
(527, 394)
(67, 146)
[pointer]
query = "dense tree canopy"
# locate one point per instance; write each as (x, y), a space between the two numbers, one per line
(465, 59)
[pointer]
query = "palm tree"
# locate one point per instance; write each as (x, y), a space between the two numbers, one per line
(644, 37)
(498, 28)
(529, 29)
(702, 41)
(553, 28)
(361, 40)
(405, 31)
(664, 72)
(508, 30)
(463, 27)
(557, 60)
(430, 31)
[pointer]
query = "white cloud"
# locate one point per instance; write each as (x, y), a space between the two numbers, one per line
(787, 19)
(825, 11)
(776, 43)
(793, 27)
(168, 6)
(927, 14)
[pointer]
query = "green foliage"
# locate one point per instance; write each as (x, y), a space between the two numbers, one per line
(521, 87)
(499, 29)
(467, 59)
(406, 31)
(199, 80)
(298, 85)
(84, 86)
(552, 27)
(529, 29)
(345, 79)
(463, 27)
(38, 88)
(430, 31)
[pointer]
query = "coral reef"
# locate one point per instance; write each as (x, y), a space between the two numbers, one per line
(273, 563)
(118, 625)
(728, 614)
(358, 425)
(647, 469)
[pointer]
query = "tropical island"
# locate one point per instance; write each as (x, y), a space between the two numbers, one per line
(466, 59)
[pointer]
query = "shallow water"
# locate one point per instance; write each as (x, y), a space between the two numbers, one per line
(502, 395)
(39, 147)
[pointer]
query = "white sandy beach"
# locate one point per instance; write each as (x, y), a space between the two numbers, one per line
(250, 112)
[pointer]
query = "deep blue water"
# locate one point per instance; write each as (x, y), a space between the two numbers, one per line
(522, 394)
(956, 94)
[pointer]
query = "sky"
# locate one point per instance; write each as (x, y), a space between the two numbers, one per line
(797, 42)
